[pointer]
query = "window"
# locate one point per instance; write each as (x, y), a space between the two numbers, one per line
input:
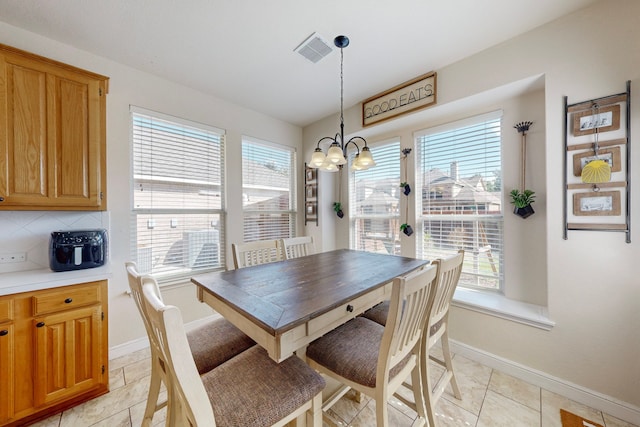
(178, 211)
(374, 202)
(268, 190)
(459, 176)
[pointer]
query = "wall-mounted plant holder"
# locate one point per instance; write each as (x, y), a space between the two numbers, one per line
(597, 165)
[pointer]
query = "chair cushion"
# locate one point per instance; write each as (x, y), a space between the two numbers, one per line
(253, 390)
(378, 313)
(351, 351)
(216, 342)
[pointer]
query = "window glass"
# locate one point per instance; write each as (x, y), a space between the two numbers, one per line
(374, 202)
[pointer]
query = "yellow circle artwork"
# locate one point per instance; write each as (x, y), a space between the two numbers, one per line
(596, 171)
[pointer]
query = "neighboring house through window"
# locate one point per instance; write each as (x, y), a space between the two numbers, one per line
(459, 197)
(268, 190)
(178, 196)
(374, 202)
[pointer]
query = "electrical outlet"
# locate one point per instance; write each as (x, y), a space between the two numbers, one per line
(14, 257)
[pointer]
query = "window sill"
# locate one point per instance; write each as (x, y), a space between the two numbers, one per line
(498, 305)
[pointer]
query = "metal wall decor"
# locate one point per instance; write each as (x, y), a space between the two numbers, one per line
(310, 195)
(597, 164)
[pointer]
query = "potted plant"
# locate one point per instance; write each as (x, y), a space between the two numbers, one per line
(522, 201)
(337, 206)
(406, 229)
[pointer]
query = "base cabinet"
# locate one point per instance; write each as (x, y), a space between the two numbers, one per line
(55, 351)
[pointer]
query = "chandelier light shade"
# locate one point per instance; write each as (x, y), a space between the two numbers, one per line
(336, 156)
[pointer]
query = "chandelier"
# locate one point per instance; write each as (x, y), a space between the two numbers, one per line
(337, 153)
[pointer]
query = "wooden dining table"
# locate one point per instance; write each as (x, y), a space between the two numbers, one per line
(285, 305)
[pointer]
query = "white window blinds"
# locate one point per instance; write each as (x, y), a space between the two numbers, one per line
(459, 171)
(374, 202)
(178, 193)
(268, 190)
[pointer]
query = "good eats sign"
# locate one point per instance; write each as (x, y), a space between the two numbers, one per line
(409, 96)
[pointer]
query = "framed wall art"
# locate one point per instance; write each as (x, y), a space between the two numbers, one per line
(310, 195)
(596, 180)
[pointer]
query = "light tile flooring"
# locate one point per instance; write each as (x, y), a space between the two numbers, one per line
(490, 399)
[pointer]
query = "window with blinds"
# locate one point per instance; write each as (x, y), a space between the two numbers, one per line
(178, 193)
(459, 174)
(268, 190)
(374, 200)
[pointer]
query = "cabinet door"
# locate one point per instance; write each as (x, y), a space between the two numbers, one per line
(75, 139)
(24, 162)
(6, 372)
(68, 353)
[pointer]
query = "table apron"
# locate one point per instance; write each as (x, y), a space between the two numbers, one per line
(281, 347)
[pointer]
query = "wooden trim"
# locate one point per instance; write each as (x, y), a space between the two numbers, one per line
(585, 186)
(598, 227)
(602, 144)
(614, 99)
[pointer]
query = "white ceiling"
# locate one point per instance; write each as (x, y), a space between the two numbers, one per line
(243, 50)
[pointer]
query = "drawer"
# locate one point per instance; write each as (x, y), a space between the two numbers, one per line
(6, 310)
(66, 298)
(342, 314)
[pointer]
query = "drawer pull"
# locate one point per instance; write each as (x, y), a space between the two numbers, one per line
(1, 199)
(39, 324)
(68, 301)
(349, 308)
(3, 332)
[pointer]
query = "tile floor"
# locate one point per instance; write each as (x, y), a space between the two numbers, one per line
(490, 399)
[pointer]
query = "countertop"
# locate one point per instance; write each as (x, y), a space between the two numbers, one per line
(34, 280)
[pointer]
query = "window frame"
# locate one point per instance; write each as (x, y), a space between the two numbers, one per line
(292, 211)
(499, 219)
(186, 272)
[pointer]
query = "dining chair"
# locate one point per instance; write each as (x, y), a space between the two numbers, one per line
(296, 247)
(211, 344)
(248, 390)
(255, 253)
(437, 330)
(374, 359)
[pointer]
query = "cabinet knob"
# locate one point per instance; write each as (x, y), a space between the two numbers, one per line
(3, 332)
(39, 324)
(1, 199)
(68, 301)
(350, 308)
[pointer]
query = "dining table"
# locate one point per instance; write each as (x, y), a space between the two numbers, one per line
(285, 305)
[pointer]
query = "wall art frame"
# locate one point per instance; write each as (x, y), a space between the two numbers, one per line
(598, 129)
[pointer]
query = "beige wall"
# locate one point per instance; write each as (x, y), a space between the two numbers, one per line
(588, 281)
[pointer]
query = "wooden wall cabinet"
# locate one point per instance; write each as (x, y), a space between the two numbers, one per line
(54, 354)
(52, 134)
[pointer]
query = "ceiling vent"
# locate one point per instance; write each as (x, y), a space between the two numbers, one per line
(314, 48)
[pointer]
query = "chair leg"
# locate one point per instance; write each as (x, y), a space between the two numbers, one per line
(449, 364)
(154, 392)
(314, 415)
(418, 392)
(427, 387)
(382, 411)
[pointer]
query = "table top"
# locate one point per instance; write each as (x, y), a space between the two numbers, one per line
(282, 295)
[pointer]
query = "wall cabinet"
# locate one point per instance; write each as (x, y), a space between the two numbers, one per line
(54, 353)
(52, 134)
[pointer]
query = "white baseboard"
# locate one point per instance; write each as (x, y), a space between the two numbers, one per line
(142, 343)
(622, 410)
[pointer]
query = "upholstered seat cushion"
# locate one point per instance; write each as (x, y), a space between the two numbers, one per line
(216, 342)
(378, 313)
(351, 351)
(253, 390)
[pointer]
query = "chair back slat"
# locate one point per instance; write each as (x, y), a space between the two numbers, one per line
(411, 298)
(450, 270)
(190, 402)
(296, 247)
(256, 253)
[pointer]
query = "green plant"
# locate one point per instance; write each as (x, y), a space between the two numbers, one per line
(337, 206)
(522, 199)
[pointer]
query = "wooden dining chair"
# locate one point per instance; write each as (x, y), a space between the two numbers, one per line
(248, 390)
(255, 253)
(211, 344)
(375, 359)
(296, 247)
(437, 330)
